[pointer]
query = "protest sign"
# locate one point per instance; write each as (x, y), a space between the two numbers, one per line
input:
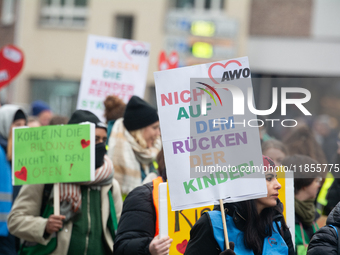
(11, 63)
(177, 224)
(53, 154)
(287, 198)
(112, 66)
(212, 150)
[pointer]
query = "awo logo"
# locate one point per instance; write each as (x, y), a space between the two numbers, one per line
(238, 97)
(131, 49)
(230, 74)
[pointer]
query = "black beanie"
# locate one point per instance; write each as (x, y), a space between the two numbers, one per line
(139, 114)
(19, 115)
(80, 116)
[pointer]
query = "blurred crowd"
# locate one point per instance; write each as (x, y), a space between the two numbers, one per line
(117, 213)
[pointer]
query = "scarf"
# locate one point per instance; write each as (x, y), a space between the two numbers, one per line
(128, 157)
(306, 211)
(70, 193)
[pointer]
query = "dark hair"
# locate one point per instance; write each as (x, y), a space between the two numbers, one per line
(161, 165)
(258, 226)
(301, 178)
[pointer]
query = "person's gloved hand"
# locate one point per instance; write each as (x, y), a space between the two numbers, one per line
(229, 251)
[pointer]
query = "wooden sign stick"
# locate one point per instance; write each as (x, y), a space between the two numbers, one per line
(56, 198)
(226, 239)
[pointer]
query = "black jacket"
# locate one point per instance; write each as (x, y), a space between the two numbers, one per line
(136, 227)
(325, 240)
(202, 239)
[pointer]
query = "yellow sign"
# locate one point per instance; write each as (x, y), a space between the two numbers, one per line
(180, 224)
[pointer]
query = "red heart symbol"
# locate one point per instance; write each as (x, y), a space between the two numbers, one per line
(165, 63)
(271, 239)
(224, 66)
(22, 174)
(84, 143)
(182, 246)
(134, 44)
(11, 62)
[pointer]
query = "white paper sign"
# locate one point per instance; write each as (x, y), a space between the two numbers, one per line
(206, 159)
(112, 66)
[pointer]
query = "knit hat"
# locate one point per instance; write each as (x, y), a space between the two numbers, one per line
(139, 114)
(38, 107)
(80, 116)
(19, 115)
(268, 163)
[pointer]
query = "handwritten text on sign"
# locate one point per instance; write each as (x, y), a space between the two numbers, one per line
(53, 154)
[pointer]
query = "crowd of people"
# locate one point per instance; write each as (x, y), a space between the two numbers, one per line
(117, 212)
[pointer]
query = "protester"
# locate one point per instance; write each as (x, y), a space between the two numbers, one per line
(326, 239)
(275, 150)
(89, 211)
(301, 141)
(254, 226)
(10, 116)
(134, 144)
(306, 187)
(332, 191)
(138, 227)
(114, 109)
(42, 111)
(326, 136)
(33, 121)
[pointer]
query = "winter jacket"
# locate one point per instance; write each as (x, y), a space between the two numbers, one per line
(325, 240)
(202, 240)
(136, 228)
(25, 222)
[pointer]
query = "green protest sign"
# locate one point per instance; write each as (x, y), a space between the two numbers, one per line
(53, 154)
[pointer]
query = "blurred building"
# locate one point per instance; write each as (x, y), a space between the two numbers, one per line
(8, 15)
(281, 37)
(53, 34)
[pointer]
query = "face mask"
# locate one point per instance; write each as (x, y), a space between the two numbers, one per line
(100, 153)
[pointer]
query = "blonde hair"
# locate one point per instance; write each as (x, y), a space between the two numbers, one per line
(138, 136)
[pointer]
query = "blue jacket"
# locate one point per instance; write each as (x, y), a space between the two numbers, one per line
(273, 245)
(5, 192)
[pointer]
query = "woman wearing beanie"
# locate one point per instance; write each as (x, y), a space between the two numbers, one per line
(10, 116)
(134, 144)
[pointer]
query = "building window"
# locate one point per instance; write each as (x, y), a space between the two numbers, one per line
(61, 95)
(124, 27)
(200, 4)
(63, 13)
(7, 12)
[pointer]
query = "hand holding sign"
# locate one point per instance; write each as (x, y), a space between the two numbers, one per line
(11, 62)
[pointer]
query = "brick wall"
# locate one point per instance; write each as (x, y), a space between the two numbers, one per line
(281, 18)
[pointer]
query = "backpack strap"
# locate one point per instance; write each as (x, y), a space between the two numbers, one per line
(337, 234)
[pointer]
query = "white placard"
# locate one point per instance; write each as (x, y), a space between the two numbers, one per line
(112, 66)
(192, 142)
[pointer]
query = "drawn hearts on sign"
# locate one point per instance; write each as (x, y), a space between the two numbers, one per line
(224, 66)
(182, 246)
(84, 143)
(11, 63)
(22, 174)
(165, 63)
(133, 44)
